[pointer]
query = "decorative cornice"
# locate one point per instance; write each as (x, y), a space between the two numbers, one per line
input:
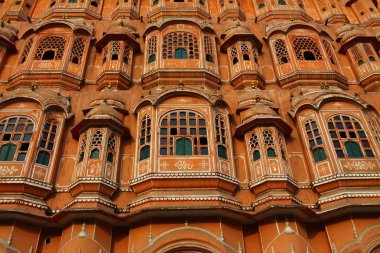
(189, 175)
(183, 198)
(348, 176)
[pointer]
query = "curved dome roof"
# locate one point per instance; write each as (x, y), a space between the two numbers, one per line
(252, 97)
(109, 94)
(104, 110)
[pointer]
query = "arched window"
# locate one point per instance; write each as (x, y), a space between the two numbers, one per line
(96, 144)
(368, 49)
(16, 134)
(95, 153)
(209, 49)
(271, 152)
(115, 51)
(152, 49)
(25, 52)
(308, 56)
(111, 147)
(94, 3)
(43, 158)
(48, 55)
(282, 2)
(269, 143)
(144, 153)
(186, 127)
(46, 143)
(315, 140)
(244, 49)
(145, 137)
(353, 149)
(126, 54)
(105, 53)
(306, 49)
(180, 53)
(155, 2)
(319, 154)
(329, 51)
(254, 146)
(281, 51)
(50, 48)
(77, 51)
(348, 137)
(261, 5)
(183, 44)
(82, 148)
(360, 62)
(233, 54)
(221, 136)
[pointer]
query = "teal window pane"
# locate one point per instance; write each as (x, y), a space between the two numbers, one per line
(95, 154)
(180, 53)
(353, 149)
(7, 152)
(144, 153)
(183, 146)
(319, 154)
(222, 151)
(256, 155)
(43, 158)
(271, 152)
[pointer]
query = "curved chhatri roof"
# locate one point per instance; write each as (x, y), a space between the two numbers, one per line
(46, 98)
(73, 24)
(8, 35)
(119, 30)
(284, 26)
(238, 32)
(315, 98)
(159, 24)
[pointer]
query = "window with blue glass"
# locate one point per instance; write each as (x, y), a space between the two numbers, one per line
(349, 137)
(183, 132)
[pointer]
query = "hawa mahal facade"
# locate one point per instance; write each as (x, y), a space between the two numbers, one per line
(190, 126)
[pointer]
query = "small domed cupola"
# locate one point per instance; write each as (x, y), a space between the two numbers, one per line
(98, 155)
(256, 108)
(243, 49)
(117, 48)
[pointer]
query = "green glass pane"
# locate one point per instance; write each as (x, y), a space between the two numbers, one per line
(353, 149)
(256, 155)
(271, 152)
(222, 151)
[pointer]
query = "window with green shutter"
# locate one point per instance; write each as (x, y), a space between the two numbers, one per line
(183, 146)
(7, 152)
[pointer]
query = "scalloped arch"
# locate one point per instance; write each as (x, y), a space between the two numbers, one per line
(212, 99)
(188, 236)
(74, 26)
(316, 99)
(165, 23)
(45, 100)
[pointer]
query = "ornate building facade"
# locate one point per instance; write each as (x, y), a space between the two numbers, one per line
(184, 126)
